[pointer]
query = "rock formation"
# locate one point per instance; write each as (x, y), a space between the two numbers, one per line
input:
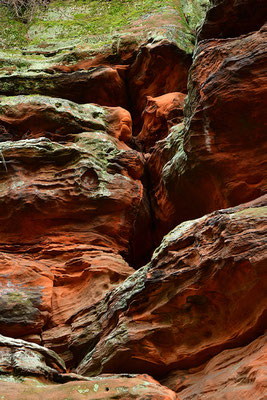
(133, 209)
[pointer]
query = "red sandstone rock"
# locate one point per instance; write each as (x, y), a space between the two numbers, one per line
(228, 18)
(102, 85)
(75, 214)
(21, 358)
(219, 160)
(120, 123)
(233, 374)
(68, 217)
(34, 116)
(160, 67)
(128, 387)
(38, 367)
(159, 115)
(202, 292)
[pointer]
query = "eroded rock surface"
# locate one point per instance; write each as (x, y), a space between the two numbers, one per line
(69, 212)
(170, 313)
(229, 18)
(105, 147)
(218, 160)
(151, 75)
(159, 115)
(139, 387)
(32, 116)
(237, 373)
(102, 85)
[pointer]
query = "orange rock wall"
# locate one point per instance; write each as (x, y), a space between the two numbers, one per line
(133, 220)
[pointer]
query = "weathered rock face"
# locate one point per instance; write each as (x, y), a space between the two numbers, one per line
(37, 367)
(150, 75)
(222, 150)
(237, 373)
(105, 150)
(171, 312)
(32, 116)
(159, 115)
(21, 358)
(68, 212)
(128, 387)
(229, 18)
(102, 85)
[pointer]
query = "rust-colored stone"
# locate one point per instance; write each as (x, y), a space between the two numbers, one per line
(102, 85)
(69, 212)
(159, 115)
(232, 374)
(202, 292)
(160, 67)
(229, 18)
(218, 160)
(128, 387)
(24, 117)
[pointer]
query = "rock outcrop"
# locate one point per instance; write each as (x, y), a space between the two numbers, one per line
(170, 313)
(69, 211)
(133, 202)
(236, 373)
(139, 387)
(218, 159)
(230, 18)
(159, 115)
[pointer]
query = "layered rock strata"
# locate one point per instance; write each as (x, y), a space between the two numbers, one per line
(170, 313)
(221, 150)
(133, 213)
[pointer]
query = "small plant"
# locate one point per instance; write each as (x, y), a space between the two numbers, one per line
(3, 160)
(24, 10)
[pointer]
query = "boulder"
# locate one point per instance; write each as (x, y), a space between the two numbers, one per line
(159, 115)
(151, 75)
(202, 292)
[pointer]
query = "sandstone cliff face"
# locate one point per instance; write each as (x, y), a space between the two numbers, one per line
(133, 212)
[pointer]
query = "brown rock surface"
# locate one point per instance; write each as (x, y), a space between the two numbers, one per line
(233, 374)
(83, 203)
(21, 358)
(102, 85)
(128, 387)
(159, 115)
(34, 116)
(69, 213)
(37, 368)
(229, 18)
(151, 75)
(219, 159)
(202, 292)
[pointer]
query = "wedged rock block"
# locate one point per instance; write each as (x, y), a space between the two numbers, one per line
(202, 292)
(219, 159)
(159, 115)
(233, 374)
(160, 67)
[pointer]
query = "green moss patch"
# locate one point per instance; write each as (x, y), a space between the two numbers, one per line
(95, 22)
